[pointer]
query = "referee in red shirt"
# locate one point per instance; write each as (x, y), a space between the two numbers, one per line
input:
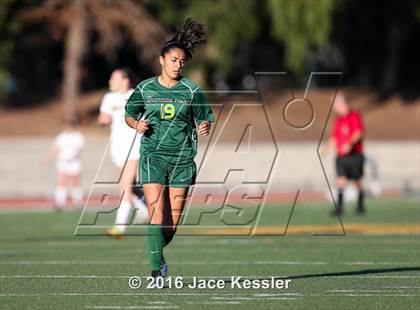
(347, 137)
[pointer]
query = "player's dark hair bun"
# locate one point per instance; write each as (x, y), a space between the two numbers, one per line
(187, 38)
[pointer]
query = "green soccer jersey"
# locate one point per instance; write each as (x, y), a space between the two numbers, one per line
(172, 115)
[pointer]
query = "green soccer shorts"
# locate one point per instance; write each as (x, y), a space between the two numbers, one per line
(152, 170)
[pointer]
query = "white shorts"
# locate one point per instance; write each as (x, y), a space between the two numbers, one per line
(72, 167)
(119, 151)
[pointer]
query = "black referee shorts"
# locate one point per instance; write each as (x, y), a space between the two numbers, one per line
(350, 166)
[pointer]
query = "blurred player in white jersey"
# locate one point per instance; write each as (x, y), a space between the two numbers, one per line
(123, 138)
(67, 149)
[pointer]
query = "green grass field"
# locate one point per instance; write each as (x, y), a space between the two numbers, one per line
(44, 266)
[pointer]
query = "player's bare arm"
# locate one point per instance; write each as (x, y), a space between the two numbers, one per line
(140, 126)
(326, 147)
(346, 148)
(356, 137)
(104, 119)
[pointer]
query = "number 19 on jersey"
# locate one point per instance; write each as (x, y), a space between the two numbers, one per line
(167, 111)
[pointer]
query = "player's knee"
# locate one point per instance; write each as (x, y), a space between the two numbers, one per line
(156, 217)
(125, 186)
(341, 182)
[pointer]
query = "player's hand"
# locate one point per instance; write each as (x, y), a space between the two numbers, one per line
(204, 128)
(345, 149)
(142, 126)
(324, 151)
(326, 147)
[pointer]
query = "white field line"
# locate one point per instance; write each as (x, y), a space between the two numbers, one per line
(209, 277)
(157, 302)
(270, 249)
(277, 294)
(402, 287)
(246, 240)
(62, 277)
(208, 251)
(258, 262)
(71, 262)
(361, 291)
(364, 295)
(182, 241)
(278, 298)
(251, 298)
(233, 296)
(220, 303)
(131, 307)
(158, 293)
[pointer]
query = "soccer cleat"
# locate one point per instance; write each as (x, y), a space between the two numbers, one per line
(163, 267)
(115, 233)
(156, 276)
(155, 285)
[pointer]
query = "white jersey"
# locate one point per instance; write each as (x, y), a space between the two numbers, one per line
(69, 145)
(122, 135)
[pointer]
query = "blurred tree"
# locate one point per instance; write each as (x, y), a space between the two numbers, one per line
(401, 20)
(380, 44)
(9, 30)
(234, 24)
(376, 42)
(73, 21)
(300, 24)
(230, 24)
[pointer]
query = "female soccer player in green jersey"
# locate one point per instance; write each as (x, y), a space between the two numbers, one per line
(175, 110)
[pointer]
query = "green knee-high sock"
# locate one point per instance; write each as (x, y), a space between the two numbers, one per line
(154, 244)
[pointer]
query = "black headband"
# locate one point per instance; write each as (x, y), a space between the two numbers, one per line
(174, 44)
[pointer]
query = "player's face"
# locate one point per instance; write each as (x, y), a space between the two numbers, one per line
(340, 106)
(173, 62)
(116, 81)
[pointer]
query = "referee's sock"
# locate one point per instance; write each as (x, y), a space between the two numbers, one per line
(340, 200)
(154, 245)
(361, 202)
